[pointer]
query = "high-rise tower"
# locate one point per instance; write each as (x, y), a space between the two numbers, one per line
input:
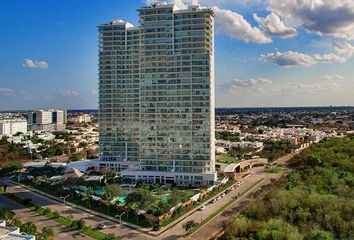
(156, 95)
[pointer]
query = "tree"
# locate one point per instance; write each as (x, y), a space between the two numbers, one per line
(46, 234)
(321, 235)
(140, 199)
(278, 229)
(111, 191)
(110, 236)
(189, 225)
(11, 167)
(88, 195)
(78, 224)
(29, 228)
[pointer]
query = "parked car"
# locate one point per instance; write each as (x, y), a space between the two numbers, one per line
(101, 226)
(202, 207)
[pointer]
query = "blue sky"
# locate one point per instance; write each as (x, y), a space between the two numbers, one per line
(49, 51)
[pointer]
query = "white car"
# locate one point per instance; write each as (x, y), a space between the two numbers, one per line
(101, 226)
(202, 207)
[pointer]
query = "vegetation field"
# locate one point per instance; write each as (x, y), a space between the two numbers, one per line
(315, 201)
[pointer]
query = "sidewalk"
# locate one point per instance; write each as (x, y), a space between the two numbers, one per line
(91, 218)
(60, 232)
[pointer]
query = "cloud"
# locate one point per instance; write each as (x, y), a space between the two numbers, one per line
(234, 25)
(273, 26)
(29, 63)
(94, 92)
(334, 77)
(249, 83)
(289, 59)
(254, 83)
(345, 49)
(296, 88)
(6, 91)
(297, 59)
(323, 17)
(68, 93)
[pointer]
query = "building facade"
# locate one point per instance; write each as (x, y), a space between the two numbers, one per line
(156, 95)
(13, 126)
(47, 120)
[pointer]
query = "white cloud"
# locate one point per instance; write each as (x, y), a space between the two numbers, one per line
(273, 26)
(6, 91)
(345, 49)
(323, 17)
(234, 25)
(297, 59)
(334, 77)
(253, 82)
(29, 63)
(68, 93)
(289, 59)
(94, 92)
(325, 92)
(296, 88)
(329, 58)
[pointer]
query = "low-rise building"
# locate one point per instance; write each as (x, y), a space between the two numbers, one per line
(12, 233)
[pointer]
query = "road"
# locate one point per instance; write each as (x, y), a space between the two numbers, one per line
(60, 232)
(216, 225)
(123, 232)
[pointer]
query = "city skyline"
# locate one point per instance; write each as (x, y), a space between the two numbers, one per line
(262, 57)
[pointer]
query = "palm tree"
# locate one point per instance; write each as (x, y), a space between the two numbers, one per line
(88, 195)
(46, 234)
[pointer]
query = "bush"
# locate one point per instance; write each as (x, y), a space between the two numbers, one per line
(78, 224)
(46, 211)
(156, 226)
(56, 215)
(189, 225)
(37, 208)
(110, 237)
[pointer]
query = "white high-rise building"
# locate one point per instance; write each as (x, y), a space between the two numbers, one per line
(44, 116)
(47, 120)
(156, 95)
(13, 126)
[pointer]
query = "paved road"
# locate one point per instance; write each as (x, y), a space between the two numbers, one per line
(122, 232)
(216, 225)
(60, 232)
(178, 231)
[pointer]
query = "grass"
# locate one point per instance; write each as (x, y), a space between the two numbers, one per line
(51, 215)
(224, 158)
(273, 169)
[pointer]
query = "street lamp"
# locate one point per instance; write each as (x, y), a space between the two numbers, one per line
(120, 217)
(64, 198)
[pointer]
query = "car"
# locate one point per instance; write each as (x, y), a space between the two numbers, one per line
(202, 207)
(101, 226)
(214, 200)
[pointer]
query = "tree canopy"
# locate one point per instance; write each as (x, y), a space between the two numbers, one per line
(315, 201)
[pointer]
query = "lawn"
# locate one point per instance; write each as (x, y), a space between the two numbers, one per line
(225, 158)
